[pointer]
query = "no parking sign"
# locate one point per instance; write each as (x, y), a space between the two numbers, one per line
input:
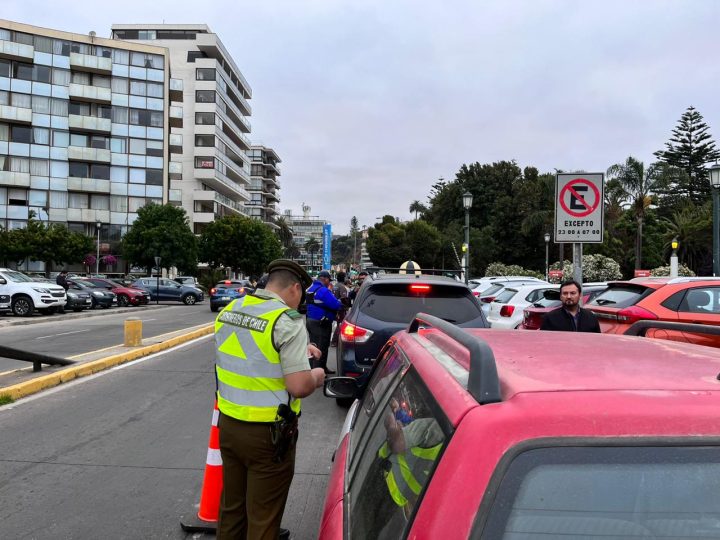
(579, 208)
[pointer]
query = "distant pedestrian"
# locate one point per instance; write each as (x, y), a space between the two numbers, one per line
(360, 280)
(341, 293)
(61, 280)
(322, 311)
(570, 317)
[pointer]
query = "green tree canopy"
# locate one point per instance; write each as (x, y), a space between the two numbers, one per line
(161, 230)
(240, 243)
(690, 147)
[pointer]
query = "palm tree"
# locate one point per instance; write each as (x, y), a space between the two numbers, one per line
(634, 186)
(312, 246)
(416, 207)
(285, 233)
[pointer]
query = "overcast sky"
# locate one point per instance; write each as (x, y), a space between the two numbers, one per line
(369, 102)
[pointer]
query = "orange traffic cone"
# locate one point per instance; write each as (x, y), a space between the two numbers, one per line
(207, 516)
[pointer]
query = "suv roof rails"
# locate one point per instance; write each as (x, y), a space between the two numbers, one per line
(426, 271)
(483, 381)
(640, 328)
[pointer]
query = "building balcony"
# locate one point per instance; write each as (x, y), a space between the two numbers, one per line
(227, 202)
(176, 116)
(221, 183)
(175, 170)
(237, 136)
(89, 123)
(16, 51)
(210, 45)
(93, 185)
(88, 215)
(19, 179)
(16, 115)
(92, 64)
(82, 153)
(203, 217)
(176, 90)
(85, 92)
(175, 143)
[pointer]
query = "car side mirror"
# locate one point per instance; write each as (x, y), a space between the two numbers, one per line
(3, 281)
(341, 387)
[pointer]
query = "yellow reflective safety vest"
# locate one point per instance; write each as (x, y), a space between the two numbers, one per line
(249, 376)
(400, 479)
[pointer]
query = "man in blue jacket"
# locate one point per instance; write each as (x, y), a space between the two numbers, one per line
(322, 310)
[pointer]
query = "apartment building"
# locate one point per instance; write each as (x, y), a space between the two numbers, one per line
(209, 168)
(264, 184)
(83, 124)
(306, 228)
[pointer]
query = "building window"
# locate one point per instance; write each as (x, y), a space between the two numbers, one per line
(99, 202)
(154, 177)
(61, 139)
(193, 55)
(205, 74)
(17, 197)
(21, 134)
(205, 140)
(155, 148)
(205, 118)
(205, 96)
(78, 200)
(137, 146)
(22, 71)
(204, 163)
(79, 170)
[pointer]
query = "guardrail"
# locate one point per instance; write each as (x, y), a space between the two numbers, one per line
(37, 359)
(640, 328)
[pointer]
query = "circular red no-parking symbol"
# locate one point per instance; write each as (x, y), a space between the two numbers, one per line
(574, 193)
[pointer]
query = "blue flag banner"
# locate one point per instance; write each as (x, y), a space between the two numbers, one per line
(327, 242)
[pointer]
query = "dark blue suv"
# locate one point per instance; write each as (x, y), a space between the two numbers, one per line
(226, 291)
(389, 303)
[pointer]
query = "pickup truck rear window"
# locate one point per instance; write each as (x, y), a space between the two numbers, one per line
(608, 492)
(398, 303)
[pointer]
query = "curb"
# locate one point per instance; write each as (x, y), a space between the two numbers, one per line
(18, 321)
(26, 388)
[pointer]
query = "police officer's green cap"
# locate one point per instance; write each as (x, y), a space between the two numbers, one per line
(293, 267)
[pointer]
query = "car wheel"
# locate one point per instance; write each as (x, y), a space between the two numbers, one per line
(123, 300)
(22, 306)
(94, 304)
(189, 299)
(214, 308)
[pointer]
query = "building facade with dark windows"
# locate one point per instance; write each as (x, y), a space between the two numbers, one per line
(264, 184)
(210, 171)
(83, 131)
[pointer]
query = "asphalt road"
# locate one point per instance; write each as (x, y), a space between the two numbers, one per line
(122, 454)
(64, 337)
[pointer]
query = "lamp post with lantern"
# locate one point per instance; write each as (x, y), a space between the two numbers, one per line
(674, 258)
(467, 200)
(547, 256)
(715, 183)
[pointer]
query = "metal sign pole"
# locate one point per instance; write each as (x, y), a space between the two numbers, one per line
(577, 262)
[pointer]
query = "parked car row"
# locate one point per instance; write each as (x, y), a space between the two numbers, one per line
(25, 295)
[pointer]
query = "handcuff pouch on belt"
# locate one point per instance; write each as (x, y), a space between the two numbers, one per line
(283, 431)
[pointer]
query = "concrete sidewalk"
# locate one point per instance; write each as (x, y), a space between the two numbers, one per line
(23, 382)
(11, 320)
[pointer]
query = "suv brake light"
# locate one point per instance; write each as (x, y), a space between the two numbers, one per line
(213, 290)
(507, 311)
(634, 313)
(420, 288)
(488, 299)
(351, 333)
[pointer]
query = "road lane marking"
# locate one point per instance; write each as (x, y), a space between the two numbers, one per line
(148, 320)
(63, 334)
(81, 380)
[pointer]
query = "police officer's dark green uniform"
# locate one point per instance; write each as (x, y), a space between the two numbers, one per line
(262, 369)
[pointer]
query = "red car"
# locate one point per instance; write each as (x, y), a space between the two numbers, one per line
(489, 434)
(126, 296)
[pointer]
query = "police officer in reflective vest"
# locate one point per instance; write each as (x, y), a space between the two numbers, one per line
(408, 456)
(262, 372)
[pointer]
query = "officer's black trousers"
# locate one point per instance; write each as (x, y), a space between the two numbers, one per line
(319, 333)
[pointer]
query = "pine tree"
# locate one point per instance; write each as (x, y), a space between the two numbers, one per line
(689, 149)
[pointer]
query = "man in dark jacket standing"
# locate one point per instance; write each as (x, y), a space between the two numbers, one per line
(321, 312)
(61, 280)
(571, 317)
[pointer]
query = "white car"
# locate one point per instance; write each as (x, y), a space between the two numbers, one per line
(506, 311)
(27, 295)
(487, 292)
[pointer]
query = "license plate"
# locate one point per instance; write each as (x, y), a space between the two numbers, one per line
(225, 298)
(88, 301)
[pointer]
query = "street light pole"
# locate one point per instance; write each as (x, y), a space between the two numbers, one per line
(674, 258)
(547, 256)
(157, 290)
(97, 258)
(467, 200)
(715, 183)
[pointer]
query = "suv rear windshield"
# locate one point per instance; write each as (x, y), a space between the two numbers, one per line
(397, 303)
(505, 296)
(621, 296)
(621, 492)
